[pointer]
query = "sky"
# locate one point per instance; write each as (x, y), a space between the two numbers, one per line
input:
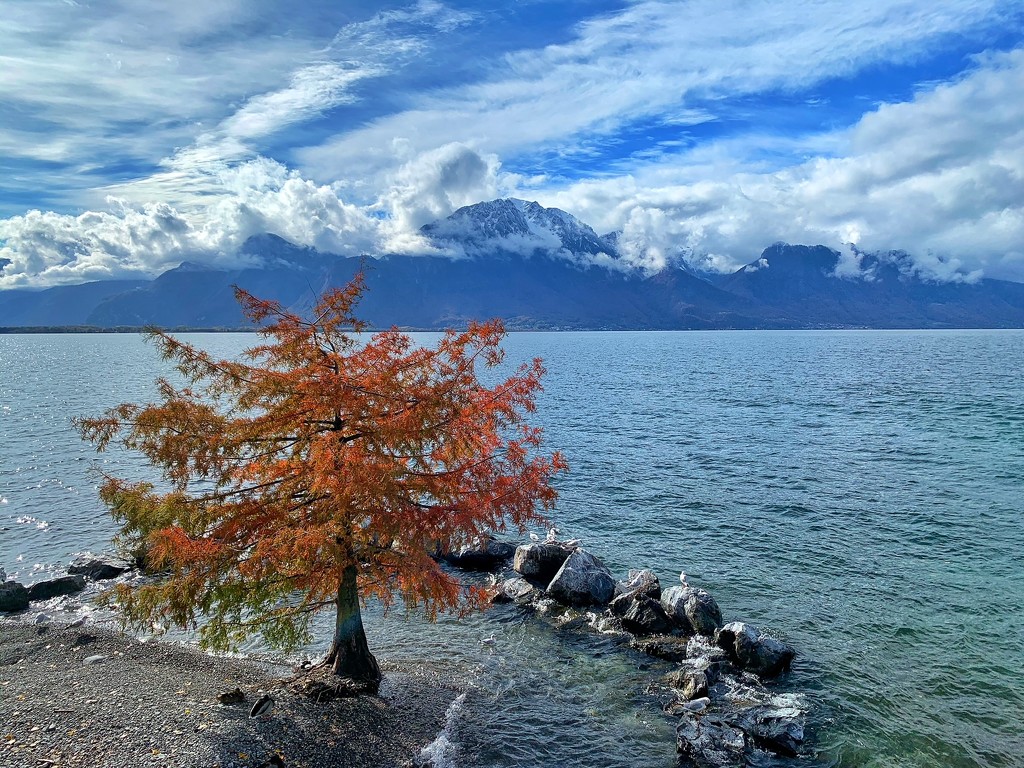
(135, 135)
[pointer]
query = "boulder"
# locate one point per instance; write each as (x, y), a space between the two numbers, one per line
(643, 581)
(750, 650)
(777, 729)
(514, 590)
(582, 580)
(99, 567)
(483, 554)
(540, 562)
(13, 597)
(691, 609)
(641, 614)
(710, 741)
(62, 585)
(694, 678)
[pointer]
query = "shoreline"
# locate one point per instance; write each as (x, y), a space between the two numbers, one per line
(86, 696)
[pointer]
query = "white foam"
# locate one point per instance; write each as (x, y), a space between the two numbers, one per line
(440, 753)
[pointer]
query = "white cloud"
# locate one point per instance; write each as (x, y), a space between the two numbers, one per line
(941, 177)
(651, 59)
(46, 248)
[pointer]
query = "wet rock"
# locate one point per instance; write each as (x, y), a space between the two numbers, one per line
(640, 581)
(694, 678)
(13, 597)
(582, 580)
(540, 562)
(709, 740)
(641, 614)
(691, 609)
(514, 590)
(750, 650)
(777, 729)
(99, 567)
(483, 554)
(667, 647)
(57, 587)
(701, 647)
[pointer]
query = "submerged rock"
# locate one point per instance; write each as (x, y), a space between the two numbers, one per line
(540, 562)
(667, 647)
(13, 597)
(99, 567)
(483, 554)
(62, 585)
(750, 650)
(582, 580)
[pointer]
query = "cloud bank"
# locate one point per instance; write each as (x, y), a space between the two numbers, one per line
(180, 131)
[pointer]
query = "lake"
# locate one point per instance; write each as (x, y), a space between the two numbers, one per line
(857, 493)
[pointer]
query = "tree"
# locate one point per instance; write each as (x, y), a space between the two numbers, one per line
(323, 468)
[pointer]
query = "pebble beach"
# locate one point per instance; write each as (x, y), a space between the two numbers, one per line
(85, 696)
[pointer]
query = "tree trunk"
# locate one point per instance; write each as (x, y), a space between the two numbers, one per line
(350, 655)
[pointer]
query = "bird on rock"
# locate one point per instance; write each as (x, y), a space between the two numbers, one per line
(263, 705)
(534, 536)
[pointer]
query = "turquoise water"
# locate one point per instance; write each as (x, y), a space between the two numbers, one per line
(859, 493)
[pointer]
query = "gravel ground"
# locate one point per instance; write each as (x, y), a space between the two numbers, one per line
(90, 697)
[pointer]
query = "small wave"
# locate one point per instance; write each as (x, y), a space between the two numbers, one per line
(440, 753)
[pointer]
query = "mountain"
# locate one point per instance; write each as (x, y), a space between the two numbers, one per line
(537, 268)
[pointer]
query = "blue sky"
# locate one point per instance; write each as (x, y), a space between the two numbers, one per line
(134, 135)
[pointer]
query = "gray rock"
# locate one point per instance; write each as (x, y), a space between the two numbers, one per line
(582, 580)
(641, 614)
(13, 597)
(709, 740)
(99, 658)
(694, 678)
(483, 554)
(750, 650)
(643, 581)
(62, 585)
(776, 729)
(540, 562)
(514, 590)
(99, 567)
(693, 610)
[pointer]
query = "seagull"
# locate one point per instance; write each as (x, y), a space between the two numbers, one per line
(262, 706)
(489, 640)
(697, 705)
(682, 578)
(552, 535)
(572, 543)
(534, 536)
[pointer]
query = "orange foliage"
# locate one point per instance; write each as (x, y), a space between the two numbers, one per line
(322, 449)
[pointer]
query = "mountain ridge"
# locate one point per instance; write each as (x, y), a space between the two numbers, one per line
(537, 268)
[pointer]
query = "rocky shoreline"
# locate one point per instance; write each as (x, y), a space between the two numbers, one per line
(129, 703)
(84, 696)
(722, 688)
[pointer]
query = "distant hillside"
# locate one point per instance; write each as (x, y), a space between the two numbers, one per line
(537, 268)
